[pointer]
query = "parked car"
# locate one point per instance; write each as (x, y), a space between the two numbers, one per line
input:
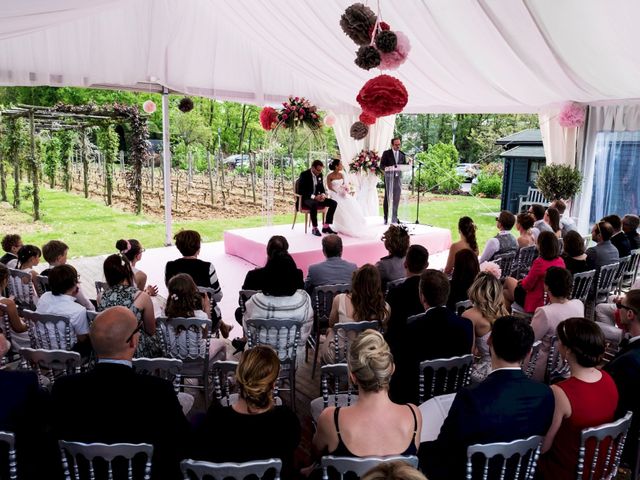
(237, 160)
(469, 171)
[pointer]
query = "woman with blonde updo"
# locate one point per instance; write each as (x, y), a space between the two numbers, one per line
(397, 470)
(253, 428)
(374, 425)
(486, 297)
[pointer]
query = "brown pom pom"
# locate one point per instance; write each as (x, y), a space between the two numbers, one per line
(386, 41)
(359, 130)
(367, 57)
(356, 21)
(185, 105)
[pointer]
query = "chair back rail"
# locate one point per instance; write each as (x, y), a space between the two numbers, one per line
(6, 329)
(631, 272)
(244, 297)
(393, 283)
(360, 465)
(448, 375)
(219, 471)
(90, 452)
(338, 374)
(322, 302)
(345, 333)
(45, 332)
(21, 287)
(463, 305)
(582, 285)
(513, 460)
(101, 287)
(507, 263)
(167, 368)
(606, 278)
(526, 256)
(223, 372)
(9, 439)
(50, 365)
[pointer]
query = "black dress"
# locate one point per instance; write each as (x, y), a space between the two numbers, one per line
(228, 436)
(575, 266)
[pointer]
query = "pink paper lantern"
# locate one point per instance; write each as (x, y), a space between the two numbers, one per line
(330, 120)
(149, 106)
(571, 115)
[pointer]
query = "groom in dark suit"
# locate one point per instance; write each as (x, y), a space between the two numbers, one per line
(625, 371)
(392, 158)
(506, 406)
(311, 188)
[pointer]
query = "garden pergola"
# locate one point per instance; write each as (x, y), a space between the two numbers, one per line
(467, 55)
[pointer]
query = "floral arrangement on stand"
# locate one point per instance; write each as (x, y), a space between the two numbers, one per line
(296, 112)
(367, 161)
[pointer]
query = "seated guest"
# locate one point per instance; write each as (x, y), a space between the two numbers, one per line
(506, 406)
(524, 225)
(29, 257)
(566, 222)
(467, 230)
(618, 239)
(185, 301)
(333, 270)
(466, 268)
(254, 427)
(365, 302)
(374, 425)
(10, 245)
(539, 225)
(575, 259)
(625, 371)
(552, 218)
(113, 404)
(587, 399)
(504, 241)
(397, 470)
(437, 333)
(603, 253)
(391, 267)
(609, 313)
(61, 300)
(55, 253)
(528, 293)
(488, 304)
(630, 225)
(282, 299)
(558, 283)
(404, 299)
(203, 273)
(132, 249)
(123, 292)
(256, 279)
(19, 330)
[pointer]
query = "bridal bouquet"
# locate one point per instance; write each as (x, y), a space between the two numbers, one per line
(367, 161)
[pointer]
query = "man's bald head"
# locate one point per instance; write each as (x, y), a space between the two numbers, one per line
(332, 246)
(110, 331)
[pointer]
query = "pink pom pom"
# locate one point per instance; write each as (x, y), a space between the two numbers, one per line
(571, 115)
(330, 120)
(149, 106)
(268, 118)
(391, 61)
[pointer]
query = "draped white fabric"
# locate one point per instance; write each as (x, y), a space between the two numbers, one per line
(468, 55)
(559, 142)
(600, 121)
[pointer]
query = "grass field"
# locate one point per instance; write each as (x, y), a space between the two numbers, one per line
(91, 228)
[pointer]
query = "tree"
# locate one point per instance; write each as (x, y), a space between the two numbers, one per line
(439, 172)
(68, 140)
(108, 143)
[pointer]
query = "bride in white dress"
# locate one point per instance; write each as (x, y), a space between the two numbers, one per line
(348, 218)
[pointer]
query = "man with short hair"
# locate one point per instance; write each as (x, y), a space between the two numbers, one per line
(630, 225)
(618, 239)
(539, 225)
(504, 241)
(61, 300)
(506, 406)
(566, 223)
(11, 244)
(392, 185)
(334, 270)
(311, 189)
(113, 404)
(625, 371)
(404, 299)
(436, 333)
(603, 253)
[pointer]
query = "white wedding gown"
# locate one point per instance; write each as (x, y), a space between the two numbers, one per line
(348, 218)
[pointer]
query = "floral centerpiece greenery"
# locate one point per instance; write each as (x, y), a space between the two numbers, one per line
(367, 161)
(298, 111)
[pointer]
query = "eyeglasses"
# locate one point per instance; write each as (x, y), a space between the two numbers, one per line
(138, 328)
(620, 306)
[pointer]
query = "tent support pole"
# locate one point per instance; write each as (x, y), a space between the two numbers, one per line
(166, 163)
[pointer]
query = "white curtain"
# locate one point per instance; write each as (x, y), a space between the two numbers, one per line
(559, 142)
(611, 132)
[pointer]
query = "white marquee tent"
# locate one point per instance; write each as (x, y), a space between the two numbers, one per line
(467, 55)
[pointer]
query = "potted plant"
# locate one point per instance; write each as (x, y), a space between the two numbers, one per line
(559, 182)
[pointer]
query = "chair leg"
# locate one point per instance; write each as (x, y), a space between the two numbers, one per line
(315, 354)
(306, 222)
(292, 386)
(295, 216)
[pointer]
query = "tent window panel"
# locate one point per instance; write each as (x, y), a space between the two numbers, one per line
(616, 189)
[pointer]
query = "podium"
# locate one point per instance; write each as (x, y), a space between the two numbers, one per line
(393, 187)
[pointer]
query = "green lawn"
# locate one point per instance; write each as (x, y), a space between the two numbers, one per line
(91, 228)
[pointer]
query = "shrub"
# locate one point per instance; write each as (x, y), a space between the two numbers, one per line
(487, 186)
(439, 171)
(493, 168)
(559, 181)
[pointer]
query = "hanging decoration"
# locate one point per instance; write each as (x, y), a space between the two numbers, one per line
(185, 105)
(367, 57)
(268, 118)
(392, 60)
(359, 130)
(357, 21)
(386, 41)
(367, 118)
(298, 111)
(383, 95)
(149, 106)
(330, 119)
(571, 115)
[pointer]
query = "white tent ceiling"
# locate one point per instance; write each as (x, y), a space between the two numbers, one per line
(467, 56)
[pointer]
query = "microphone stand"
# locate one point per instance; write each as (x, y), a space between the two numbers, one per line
(418, 189)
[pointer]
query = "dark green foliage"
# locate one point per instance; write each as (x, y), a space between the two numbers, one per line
(559, 181)
(487, 186)
(439, 171)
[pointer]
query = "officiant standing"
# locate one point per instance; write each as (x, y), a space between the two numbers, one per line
(392, 186)
(311, 188)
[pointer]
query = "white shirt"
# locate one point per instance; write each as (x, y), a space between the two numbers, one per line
(492, 247)
(633, 339)
(12, 263)
(65, 305)
(395, 156)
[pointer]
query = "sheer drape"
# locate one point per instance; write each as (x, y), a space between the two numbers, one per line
(559, 142)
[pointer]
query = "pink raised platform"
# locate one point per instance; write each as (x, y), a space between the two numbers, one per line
(250, 243)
